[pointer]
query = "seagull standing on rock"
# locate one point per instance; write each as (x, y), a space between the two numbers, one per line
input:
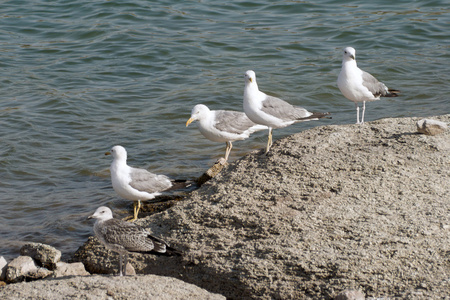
(133, 183)
(224, 126)
(271, 111)
(358, 85)
(124, 237)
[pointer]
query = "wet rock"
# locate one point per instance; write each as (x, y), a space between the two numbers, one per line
(96, 258)
(350, 295)
(107, 287)
(3, 264)
(431, 127)
(212, 172)
(47, 256)
(73, 269)
(18, 269)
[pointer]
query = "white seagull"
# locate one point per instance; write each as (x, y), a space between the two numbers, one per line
(133, 183)
(124, 237)
(271, 111)
(358, 85)
(224, 126)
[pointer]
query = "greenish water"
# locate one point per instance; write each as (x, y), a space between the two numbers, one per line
(78, 77)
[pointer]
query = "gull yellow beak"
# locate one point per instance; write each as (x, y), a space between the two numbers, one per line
(108, 153)
(352, 56)
(250, 79)
(189, 121)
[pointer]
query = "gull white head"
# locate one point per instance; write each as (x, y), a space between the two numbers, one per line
(349, 54)
(197, 113)
(102, 213)
(118, 152)
(250, 77)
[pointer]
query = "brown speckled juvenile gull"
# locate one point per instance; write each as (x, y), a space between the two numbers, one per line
(124, 237)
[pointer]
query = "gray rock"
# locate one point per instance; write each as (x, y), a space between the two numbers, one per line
(66, 269)
(38, 273)
(330, 207)
(47, 256)
(107, 287)
(18, 269)
(431, 127)
(350, 295)
(3, 264)
(99, 260)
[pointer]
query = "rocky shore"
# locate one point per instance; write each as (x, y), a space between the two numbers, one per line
(334, 208)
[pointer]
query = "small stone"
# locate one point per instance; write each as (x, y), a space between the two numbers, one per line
(73, 269)
(3, 264)
(431, 127)
(46, 255)
(39, 273)
(19, 267)
(423, 285)
(130, 270)
(350, 295)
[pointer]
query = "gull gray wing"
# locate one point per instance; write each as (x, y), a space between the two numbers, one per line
(232, 121)
(373, 85)
(124, 235)
(145, 181)
(283, 110)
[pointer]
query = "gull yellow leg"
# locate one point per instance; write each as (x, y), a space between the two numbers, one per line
(136, 208)
(269, 141)
(228, 150)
